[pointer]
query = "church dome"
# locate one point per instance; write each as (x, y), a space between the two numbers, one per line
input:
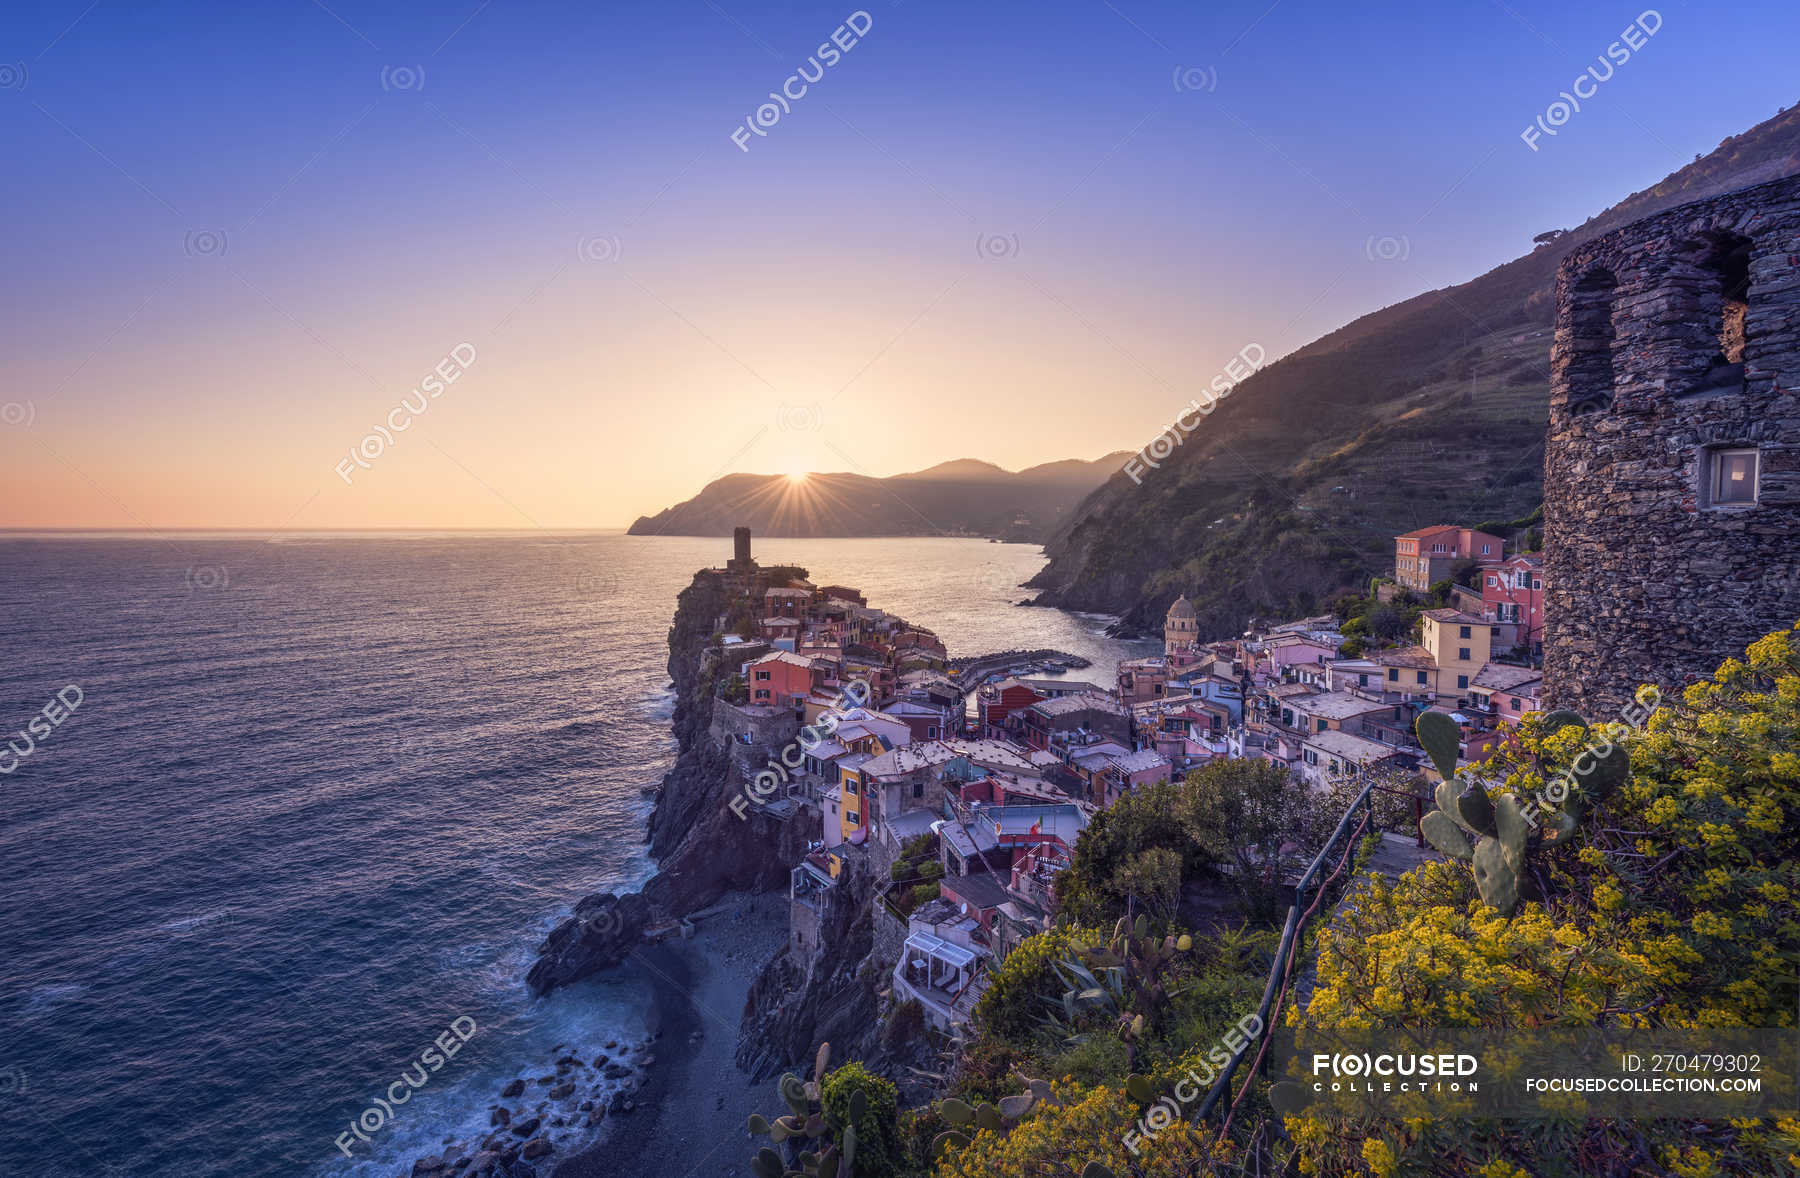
(1183, 608)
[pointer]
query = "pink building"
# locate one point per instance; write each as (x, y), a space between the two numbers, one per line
(1295, 650)
(780, 680)
(1512, 595)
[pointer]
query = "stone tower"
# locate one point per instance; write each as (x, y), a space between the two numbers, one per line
(1181, 631)
(1672, 463)
(740, 551)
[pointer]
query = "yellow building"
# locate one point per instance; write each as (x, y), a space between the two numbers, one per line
(1453, 648)
(853, 809)
(1459, 644)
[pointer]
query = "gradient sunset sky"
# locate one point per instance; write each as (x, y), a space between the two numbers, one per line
(239, 233)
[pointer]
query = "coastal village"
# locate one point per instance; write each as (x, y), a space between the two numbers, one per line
(920, 814)
(961, 786)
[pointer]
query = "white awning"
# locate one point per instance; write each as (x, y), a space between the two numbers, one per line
(945, 951)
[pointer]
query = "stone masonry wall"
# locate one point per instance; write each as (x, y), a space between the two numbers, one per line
(1658, 364)
(752, 736)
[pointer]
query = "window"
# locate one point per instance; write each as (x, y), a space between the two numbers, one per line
(918, 789)
(1589, 374)
(1393, 673)
(852, 818)
(1422, 678)
(1493, 582)
(1721, 282)
(1463, 633)
(1462, 681)
(1536, 584)
(1486, 548)
(1514, 700)
(1323, 725)
(762, 676)
(1730, 476)
(1462, 652)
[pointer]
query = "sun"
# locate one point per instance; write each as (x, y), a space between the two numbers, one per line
(796, 477)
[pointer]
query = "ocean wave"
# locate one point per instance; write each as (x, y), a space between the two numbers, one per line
(44, 999)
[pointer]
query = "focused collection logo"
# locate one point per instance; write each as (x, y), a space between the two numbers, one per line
(1394, 1072)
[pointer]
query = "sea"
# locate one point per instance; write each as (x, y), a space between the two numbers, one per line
(295, 806)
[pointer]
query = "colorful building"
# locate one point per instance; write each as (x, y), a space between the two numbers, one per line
(1460, 644)
(1426, 556)
(1512, 595)
(781, 680)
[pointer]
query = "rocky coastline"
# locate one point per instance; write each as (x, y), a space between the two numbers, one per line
(536, 1116)
(709, 932)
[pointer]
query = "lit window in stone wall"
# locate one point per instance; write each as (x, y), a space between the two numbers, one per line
(1730, 477)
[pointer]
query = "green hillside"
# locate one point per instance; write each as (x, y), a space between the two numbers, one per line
(1429, 411)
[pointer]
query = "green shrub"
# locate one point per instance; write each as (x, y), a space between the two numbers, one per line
(906, 1021)
(1673, 901)
(878, 1150)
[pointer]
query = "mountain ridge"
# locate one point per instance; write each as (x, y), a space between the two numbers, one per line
(960, 497)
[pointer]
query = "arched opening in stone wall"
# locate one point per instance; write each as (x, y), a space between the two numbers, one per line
(1590, 372)
(1723, 259)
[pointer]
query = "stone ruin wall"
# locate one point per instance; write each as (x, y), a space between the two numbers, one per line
(1661, 359)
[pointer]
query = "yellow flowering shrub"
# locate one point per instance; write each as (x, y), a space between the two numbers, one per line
(1099, 1124)
(1672, 906)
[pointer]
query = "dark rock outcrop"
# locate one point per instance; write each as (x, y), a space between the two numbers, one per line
(603, 931)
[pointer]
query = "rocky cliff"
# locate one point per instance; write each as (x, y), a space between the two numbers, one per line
(704, 846)
(826, 995)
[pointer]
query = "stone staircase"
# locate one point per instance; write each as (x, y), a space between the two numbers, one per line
(964, 1006)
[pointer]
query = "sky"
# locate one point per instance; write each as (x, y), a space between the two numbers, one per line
(250, 244)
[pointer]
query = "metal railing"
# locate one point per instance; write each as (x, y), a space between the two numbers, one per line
(1334, 856)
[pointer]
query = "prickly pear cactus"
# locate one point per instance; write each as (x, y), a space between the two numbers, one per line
(806, 1122)
(1490, 832)
(991, 1118)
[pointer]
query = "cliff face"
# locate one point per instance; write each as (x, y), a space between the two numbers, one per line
(828, 996)
(704, 846)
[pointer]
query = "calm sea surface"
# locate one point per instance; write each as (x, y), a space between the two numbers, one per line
(321, 797)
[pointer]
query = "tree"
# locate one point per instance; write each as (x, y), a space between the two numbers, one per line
(1153, 879)
(1250, 813)
(1097, 888)
(1389, 622)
